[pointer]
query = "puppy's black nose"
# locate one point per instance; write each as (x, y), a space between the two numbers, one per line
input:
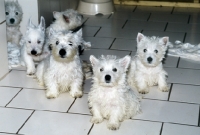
(149, 59)
(12, 20)
(33, 52)
(107, 78)
(62, 52)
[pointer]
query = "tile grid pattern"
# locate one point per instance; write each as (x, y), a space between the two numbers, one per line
(24, 102)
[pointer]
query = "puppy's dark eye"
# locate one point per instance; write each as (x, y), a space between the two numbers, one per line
(101, 69)
(114, 70)
(156, 51)
(70, 43)
(145, 50)
(57, 42)
(50, 47)
(29, 41)
(7, 13)
(38, 42)
(16, 13)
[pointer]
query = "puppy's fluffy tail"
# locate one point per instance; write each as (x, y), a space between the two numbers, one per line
(87, 69)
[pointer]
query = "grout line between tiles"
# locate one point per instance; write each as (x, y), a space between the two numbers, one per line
(97, 32)
(134, 9)
(10, 133)
(112, 43)
(21, 87)
(166, 26)
(71, 105)
(90, 129)
(25, 122)
(110, 16)
(161, 128)
(13, 97)
(184, 37)
(199, 118)
(178, 62)
(80, 114)
(172, 10)
(149, 17)
(170, 90)
(124, 24)
(189, 19)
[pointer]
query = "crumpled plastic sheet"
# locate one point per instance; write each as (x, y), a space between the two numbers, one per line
(13, 55)
(184, 50)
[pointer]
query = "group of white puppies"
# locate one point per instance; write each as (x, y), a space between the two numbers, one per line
(60, 68)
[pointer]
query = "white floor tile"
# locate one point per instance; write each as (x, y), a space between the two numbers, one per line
(185, 63)
(128, 127)
(174, 129)
(185, 93)
(20, 79)
(183, 76)
(6, 94)
(87, 85)
(51, 123)
(170, 61)
(131, 16)
(164, 111)
(36, 99)
(12, 119)
(124, 44)
(81, 105)
(90, 31)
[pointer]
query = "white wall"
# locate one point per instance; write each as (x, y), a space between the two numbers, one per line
(30, 9)
(3, 42)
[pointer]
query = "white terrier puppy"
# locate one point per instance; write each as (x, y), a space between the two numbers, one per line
(146, 68)
(110, 96)
(68, 20)
(33, 49)
(62, 70)
(13, 18)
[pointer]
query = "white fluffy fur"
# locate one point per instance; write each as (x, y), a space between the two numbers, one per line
(112, 100)
(13, 18)
(33, 49)
(144, 73)
(60, 71)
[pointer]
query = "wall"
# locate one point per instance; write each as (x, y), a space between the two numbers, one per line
(46, 8)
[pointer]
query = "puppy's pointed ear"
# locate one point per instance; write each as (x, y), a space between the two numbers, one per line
(51, 32)
(140, 36)
(79, 33)
(56, 14)
(93, 60)
(164, 41)
(124, 62)
(30, 24)
(42, 23)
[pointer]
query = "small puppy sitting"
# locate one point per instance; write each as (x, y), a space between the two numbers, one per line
(68, 20)
(13, 18)
(62, 70)
(33, 49)
(146, 67)
(110, 96)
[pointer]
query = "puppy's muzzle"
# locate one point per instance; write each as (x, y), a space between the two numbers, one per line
(107, 78)
(34, 52)
(149, 59)
(12, 20)
(62, 53)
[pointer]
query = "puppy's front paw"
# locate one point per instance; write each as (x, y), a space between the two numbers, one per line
(164, 89)
(113, 126)
(76, 94)
(96, 120)
(143, 91)
(50, 94)
(30, 72)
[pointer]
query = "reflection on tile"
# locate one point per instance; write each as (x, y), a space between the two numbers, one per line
(181, 27)
(87, 86)
(124, 44)
(157, 10)
(20, 79)
(90, 31)
(131, 16)
(192, 38)
(158, 26)
(185, 10)
(99, 52)
(12, 119)
(186, 63)
(169, 18)
(174, 129)
(80, 105)
(105, 22)
(128, 127)
(95, 16)
(6, 94)
(52, 123)
(169, 112)
(185, 93)
(118, 33)
(97, 42)
(36, 99)
(173, 36)
(183, 76)
(122, 8)
(195, 19)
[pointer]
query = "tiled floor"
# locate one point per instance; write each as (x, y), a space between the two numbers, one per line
(24, 109)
